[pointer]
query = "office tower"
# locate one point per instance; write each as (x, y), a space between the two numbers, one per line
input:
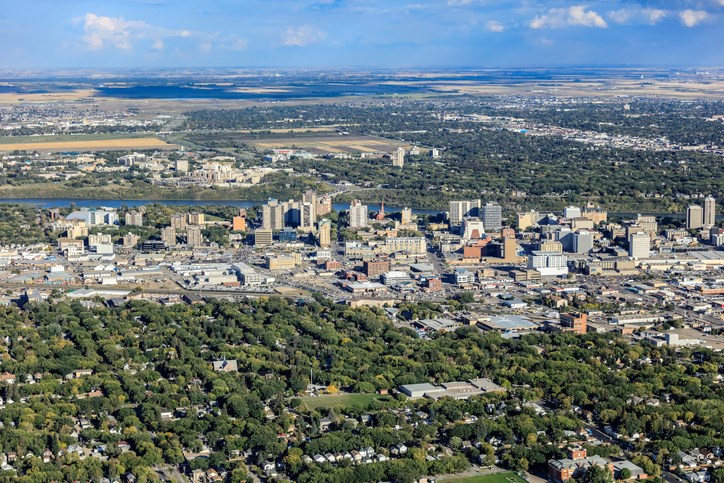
(582, 242)
(263, 238)
(694, 217)
(571, 212)
(357, 214)
(238, 223)
(134, 218)
(406, 216)
(639, 245)
(324, 233)
(307, 215)
(463, 209)
(510, 249)
(182, 166)
(492, 216)
(565, 236)
(168, 236)
(272, 216)
(290, 213)
(196, 219)
(178, 222)
(194, 238)
(709, 212)
(398, 158)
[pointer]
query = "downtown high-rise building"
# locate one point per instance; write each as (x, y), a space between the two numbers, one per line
(134, 218)
(178, 222)
(194, 238)
(357, 214)
(492, 216)
(406, 216)
(307, 215)
(398, 158)
(694, 217)
(168, 236)
(324, 233)
(272, 216)
(463, 209)
(639, 245)
(709, 212)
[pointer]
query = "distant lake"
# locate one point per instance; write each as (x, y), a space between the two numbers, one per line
(288, 91)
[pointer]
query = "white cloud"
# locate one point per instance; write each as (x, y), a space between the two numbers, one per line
(459, 3)
(692, 18)
(576, 15)
(637, 15)
(495, 26)
(239, 44)
(302, 36)
(100, 32)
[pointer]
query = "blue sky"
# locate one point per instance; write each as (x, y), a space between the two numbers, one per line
(359, 33)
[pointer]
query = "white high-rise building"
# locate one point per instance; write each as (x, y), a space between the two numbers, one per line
(549, 264)
(406, 216)
(307, 215)
(709, 212)
(694, 217)
(463, 209)
(357, 214)
(571, 212)
(398, 158)
(639, 245)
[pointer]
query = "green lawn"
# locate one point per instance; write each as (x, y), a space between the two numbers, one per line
(340, 401)
(508, 477)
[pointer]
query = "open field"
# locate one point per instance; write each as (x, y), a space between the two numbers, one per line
(44, 97)
(688, 89)
(339, 400)
(508, 477)
(328, 144)
(83, 142)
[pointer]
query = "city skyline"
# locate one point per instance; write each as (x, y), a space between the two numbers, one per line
(350, 33)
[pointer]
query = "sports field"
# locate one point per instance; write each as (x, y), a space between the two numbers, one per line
(84, 142)
(507, 477)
